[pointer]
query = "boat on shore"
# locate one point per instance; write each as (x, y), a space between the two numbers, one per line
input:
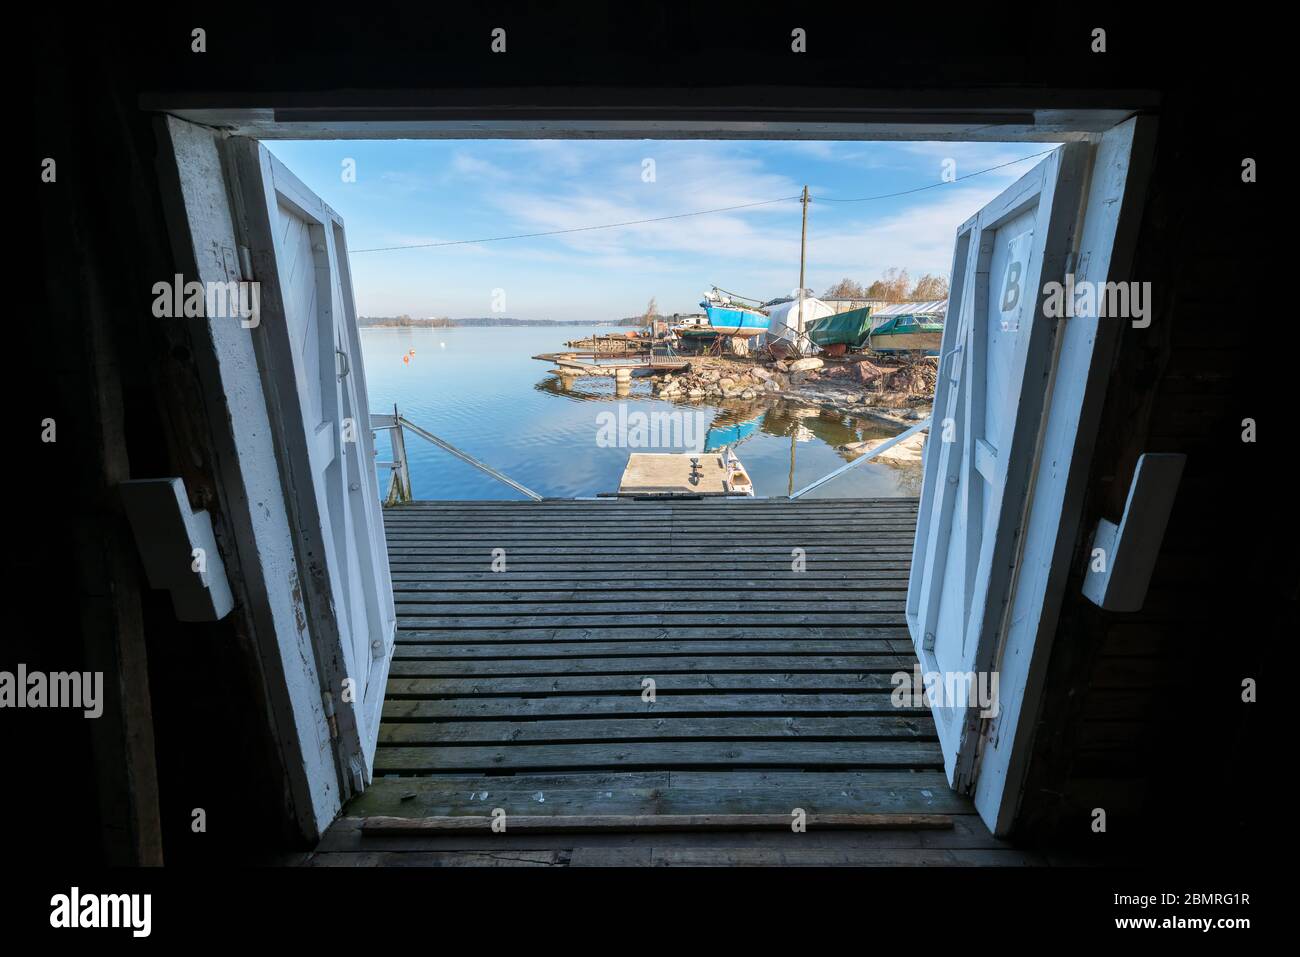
(791, 322)
(726, 318)
(906, 334)
(850, 329)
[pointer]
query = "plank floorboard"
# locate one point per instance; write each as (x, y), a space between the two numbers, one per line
(523, 686)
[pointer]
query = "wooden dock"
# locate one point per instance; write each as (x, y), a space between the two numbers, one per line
(526, 688)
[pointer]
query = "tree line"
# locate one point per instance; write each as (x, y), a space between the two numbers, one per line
(894, 286)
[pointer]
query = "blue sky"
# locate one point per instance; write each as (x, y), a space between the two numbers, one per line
(424, 191)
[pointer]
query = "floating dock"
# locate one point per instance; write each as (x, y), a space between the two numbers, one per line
(601, 364)
(670, 474)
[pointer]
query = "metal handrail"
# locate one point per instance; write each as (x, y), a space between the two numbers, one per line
(920, 426)
(466, 457)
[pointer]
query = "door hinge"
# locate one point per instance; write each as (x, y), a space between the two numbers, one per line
(327, 700)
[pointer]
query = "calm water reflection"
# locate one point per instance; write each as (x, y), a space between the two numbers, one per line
(481, 390)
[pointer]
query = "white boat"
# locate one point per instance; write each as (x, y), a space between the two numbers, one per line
(787, 323)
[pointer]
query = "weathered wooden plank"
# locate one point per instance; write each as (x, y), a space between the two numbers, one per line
(635, 583)
(678, 506)
(405, 683)
(830, 520)
(411, 609)
(648, 569)
(658, 665)
(503, 857)
(711, 549)
(608, 649)
(585, 823)
(432, 594)
(672, 620)
(486, 733)
(792, 753)
(633, 793)
(651, 532)
(872, 703)
(967, 832)
(685, 779)
(718, 632)
(800, 857)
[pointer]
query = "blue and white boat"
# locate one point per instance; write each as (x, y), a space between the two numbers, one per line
(726, 318)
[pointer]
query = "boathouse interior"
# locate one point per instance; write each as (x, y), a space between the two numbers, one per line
(525, 692)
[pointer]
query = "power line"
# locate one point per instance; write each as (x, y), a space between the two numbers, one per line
(698, 212)
(957, 179)
(576, 229)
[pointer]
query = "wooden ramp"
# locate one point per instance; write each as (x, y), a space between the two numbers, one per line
(531, 634)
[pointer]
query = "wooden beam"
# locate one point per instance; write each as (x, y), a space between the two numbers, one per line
(589, 823)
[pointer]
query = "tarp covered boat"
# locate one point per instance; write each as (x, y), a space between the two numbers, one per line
(847, 328)
(788, 323)
(907, 334)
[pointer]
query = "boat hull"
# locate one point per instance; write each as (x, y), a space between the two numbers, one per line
(731, 321)
(927, 342)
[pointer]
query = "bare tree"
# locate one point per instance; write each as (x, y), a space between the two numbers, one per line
(651, 310)
(931, 287)
(845, 289)
(893, 286)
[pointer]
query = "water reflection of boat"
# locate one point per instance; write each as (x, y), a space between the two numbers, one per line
(733, 425)
(728, 435)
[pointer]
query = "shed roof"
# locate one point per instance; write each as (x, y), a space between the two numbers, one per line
(927, 307)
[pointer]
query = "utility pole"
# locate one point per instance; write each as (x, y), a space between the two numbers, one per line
(803, 248)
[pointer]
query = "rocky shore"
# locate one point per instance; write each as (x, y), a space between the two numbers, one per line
(899, 392)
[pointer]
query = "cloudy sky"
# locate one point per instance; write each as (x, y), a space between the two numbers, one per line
(408, 192)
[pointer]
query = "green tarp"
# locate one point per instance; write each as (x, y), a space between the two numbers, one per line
(901, 325)
(849, 328)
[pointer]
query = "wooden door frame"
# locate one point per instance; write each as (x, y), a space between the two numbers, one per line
(250, 164)
(207, 237)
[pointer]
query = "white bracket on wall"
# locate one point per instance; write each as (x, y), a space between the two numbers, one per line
(1123, 556)
(178, 548)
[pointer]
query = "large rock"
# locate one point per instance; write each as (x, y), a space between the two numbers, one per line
(867, 372)
(806, 364)
(907, 452)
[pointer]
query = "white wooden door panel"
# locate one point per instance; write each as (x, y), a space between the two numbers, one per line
(299, 249)
(988, 402)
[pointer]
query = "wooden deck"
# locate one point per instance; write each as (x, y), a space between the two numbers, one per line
(522, 688)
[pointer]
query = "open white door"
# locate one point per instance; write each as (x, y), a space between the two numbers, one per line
(311, 356)
(993, 378)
